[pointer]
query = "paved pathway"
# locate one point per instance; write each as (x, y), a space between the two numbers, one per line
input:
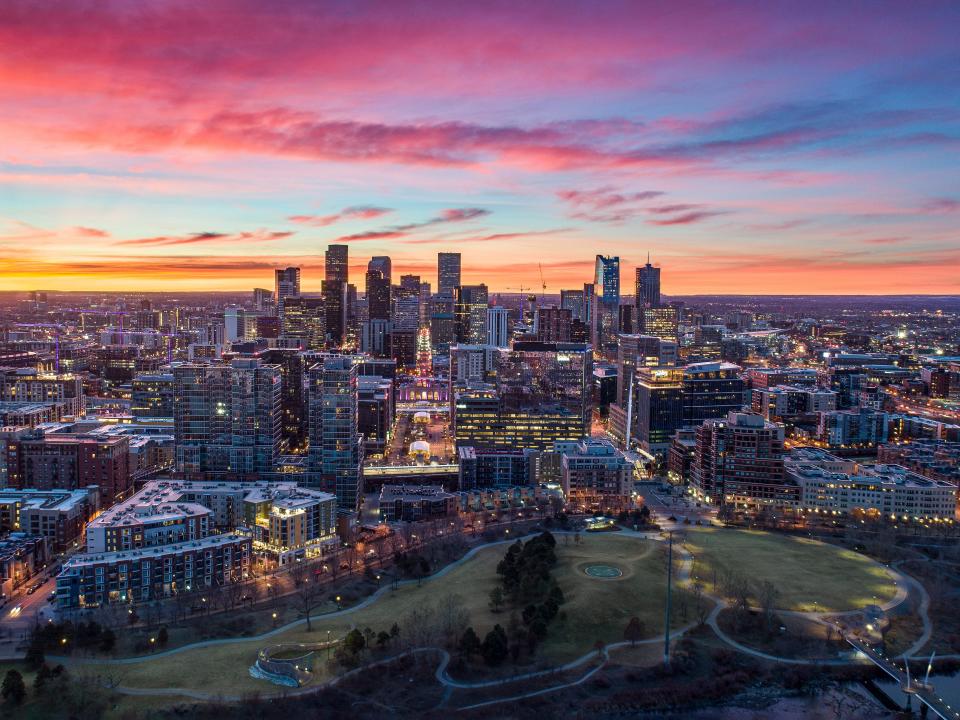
(443, 677)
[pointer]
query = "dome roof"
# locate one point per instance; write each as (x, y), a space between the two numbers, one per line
(421, 415)
(419, 446)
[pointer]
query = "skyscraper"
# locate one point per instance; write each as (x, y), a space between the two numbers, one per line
(336, 263)
(448, 272)
(378, 288)
(497, 327)
(287, 283)
(605, 320)
(226, 418)
(336, 447)
(470, 313)
(648, 286)
(306, 318)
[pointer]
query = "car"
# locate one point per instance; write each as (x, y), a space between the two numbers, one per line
(16, 611)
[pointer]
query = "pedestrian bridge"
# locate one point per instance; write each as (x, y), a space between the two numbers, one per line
(924, 692)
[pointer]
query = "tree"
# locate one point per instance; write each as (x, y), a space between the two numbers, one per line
(496, 598)
(394, 630)
(163, 636)
(494, 648)
(14, 690)
(35, 657)
(383, 637)
(469, 643)
(767, 594)
(307, 593)
(354, 642)
(108, 640)
(634, 631)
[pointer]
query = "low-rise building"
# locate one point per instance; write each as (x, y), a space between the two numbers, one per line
(837, 487)
(479, 468)
(21, 557)
(415, 502)
(152, 573)
(57, 515)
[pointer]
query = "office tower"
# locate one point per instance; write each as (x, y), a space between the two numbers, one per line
(470, 313)
(336, 447)
(607, 279)
(378, 288)
(648, 286)
(287, 284)
(375, 411)
(263, 300)
(658, 408)
(234, 325)
(661, 322)
(605, 314)
(406, 303)
(226, 419)
(572, 300)
(626, 321)
(554, 324)
(383, 265)
(334, 290)
(448, 272)
(497, 327)
(738, 458)
(375, 337)
(426, 308)
(336, 261)
(335, 303)
(443, 331)
(711, 390)
(267, 326)
(472, 364)
(151, 396)
(305, 318)
(403, 346)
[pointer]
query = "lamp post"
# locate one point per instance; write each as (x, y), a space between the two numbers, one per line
(666, 622)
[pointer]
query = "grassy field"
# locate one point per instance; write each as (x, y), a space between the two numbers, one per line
(596, 609)
(809, 575)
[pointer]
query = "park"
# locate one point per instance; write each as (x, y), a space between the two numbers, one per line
(609, 580)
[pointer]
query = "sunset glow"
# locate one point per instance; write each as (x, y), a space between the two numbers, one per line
(762, 148)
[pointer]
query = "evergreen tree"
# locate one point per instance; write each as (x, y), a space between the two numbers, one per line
(14, 690)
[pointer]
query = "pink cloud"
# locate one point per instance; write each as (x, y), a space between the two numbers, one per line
(209, 237)
(359, 212)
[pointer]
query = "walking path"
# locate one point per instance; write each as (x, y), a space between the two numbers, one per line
(442, 676)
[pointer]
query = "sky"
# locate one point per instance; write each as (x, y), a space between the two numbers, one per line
(755, 148)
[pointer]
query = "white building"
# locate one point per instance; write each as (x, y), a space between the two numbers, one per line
(497, 334)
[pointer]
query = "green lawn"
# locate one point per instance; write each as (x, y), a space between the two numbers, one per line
(595, 610)
(804, 571)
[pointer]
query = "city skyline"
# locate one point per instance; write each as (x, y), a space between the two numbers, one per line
(751, 149)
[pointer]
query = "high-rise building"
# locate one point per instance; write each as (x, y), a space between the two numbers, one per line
(263, 300)
(497, 334)
(658, 407)
(151, 396)
(662, 322)
(572, 300)
(336, 446)
(305, 318)
(336, 263)
(378, 288)
(605, 318)
(648, 286)
(554, 324)
(470, 313)
(226, 419)
(287, 284)
(375, 337)
(739, 457)
(711, 390)
(448, 272)
(335, 305)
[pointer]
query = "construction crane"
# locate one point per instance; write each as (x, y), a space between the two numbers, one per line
(520, 290)
(543, 283)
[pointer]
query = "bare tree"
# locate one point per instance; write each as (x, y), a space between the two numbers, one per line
(700, 603)
(307, 593)
(767, 595)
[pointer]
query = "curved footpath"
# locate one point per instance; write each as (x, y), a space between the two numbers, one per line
(443, 677)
